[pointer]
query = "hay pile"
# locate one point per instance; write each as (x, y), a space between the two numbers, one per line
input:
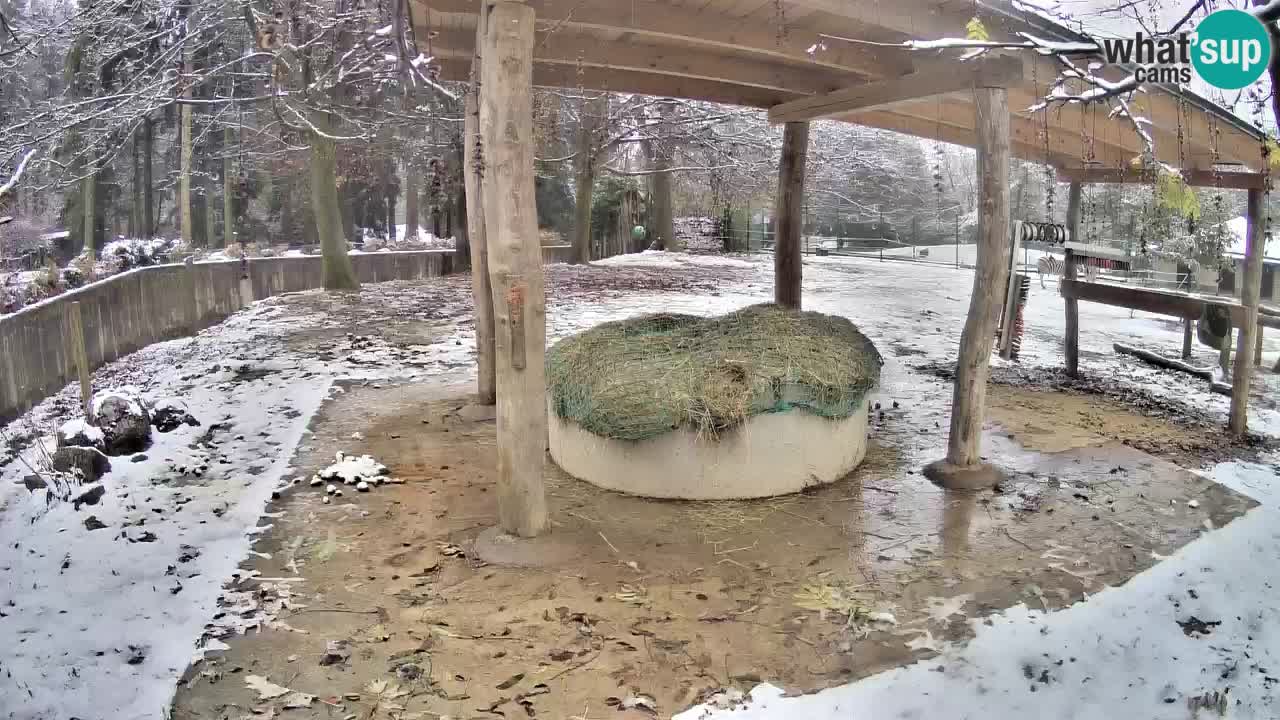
(645, 376)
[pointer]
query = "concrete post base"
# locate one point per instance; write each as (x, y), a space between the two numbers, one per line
(964, 477)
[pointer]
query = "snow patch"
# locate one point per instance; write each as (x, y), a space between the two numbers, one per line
(352, 470)
(129, 395)
(74, 429)
(662, 258)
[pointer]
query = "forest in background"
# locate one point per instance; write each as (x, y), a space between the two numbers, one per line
(241, 127)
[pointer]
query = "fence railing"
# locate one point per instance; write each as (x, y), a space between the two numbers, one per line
(126, 312)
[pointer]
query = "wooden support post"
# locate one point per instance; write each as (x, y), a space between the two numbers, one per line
(1186, 338)
(1250, 289)
(473, 168)
(515, 265)
(789, 216)
(1072, 339)
(75, 343)
(963, 467)
(1257, 348)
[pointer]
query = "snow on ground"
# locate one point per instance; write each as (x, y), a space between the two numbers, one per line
(99, 619)
(662, 258)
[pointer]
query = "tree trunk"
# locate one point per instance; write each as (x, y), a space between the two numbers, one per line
(515, 257)
(1250, 289)
(337, 270)
(89, 210)
(789, 226)
(588, 125)
(410, 201)
(582, 211)
(210, 192)
(663, 222)
(392, 196)
(135, 194)
(148, 198)
(458, 226)
(228, 191)
(663, 214)
(481, 290)
(184, 177)
(963, 466)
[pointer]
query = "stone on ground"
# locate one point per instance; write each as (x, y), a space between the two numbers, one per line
(171, 413)
(89, 462)
(123, 418)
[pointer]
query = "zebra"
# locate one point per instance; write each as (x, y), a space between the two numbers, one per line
(1054, 265)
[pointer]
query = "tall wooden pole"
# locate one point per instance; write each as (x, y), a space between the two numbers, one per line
(75, 331)
(1072, 340)
(963, 467)
(789, 216)
(515, 265)
(473, 170)
(1250, 289)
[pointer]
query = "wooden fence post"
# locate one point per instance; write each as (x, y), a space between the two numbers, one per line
(515, 265)
(789, 223)
(1250, 289)
(75, 345)
(1072, 340)
(963, 466)
(1186, 338)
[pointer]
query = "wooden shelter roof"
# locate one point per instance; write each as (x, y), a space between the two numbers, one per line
(756, 53)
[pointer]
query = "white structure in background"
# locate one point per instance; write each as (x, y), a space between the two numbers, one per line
(1235, 253)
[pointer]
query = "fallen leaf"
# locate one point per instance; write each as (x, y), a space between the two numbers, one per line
(265, 688)
(296, 700)
(451, 550)
(639, 702)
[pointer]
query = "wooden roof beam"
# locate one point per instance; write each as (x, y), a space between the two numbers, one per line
(1201, 130)
(564, 48)
(1026, 133)
(679, 25)
(913, 18)
(998, 71)
(957, 135)
(1227, 180)
(629, 81)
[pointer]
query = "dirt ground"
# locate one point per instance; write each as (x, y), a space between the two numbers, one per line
(666, 603)
(1052, 421)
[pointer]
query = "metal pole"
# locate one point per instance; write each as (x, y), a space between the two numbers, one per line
(957, 238)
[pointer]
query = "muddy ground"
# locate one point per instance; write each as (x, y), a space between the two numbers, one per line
(670, 602)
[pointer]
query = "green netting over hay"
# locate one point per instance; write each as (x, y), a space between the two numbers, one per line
(645, 376)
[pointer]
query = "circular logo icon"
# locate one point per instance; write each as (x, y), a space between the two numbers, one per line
(1232, 49)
